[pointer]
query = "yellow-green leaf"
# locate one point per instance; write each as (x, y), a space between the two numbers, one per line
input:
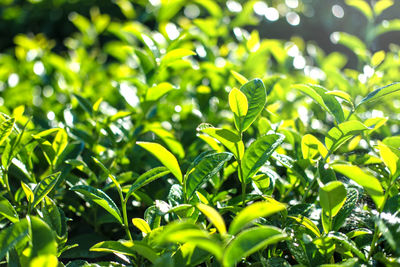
(214, 217)
(239, 77)
(142, 225)
(362, 6)
(377, 58)
(367, 181)
(390, 156)
(28, 192)
(164, 156)
(254, 211)
(175, 55)
(311, 146)
(381, 5)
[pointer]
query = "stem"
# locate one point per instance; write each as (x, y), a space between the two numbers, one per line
(376, 230)
(125, 218)
(241, 178)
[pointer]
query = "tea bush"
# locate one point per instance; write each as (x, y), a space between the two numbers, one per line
(196, 142)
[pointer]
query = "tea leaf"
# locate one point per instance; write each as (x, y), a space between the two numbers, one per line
(382, 5)
(362, 6)
(239, 106)
(126, 248)
(332, 197)
(368, 182)
(12, 236)
(239, 77)
(256, 95)
(6, 129)
(43, 239)
(307, 223)
(228, 138)
(347, 209)
(342, 133)
(391, 158)
(175, 55)
(99, 197)
(311, 146)
(347, 243)
(164, 156)
(380, 92)
(142, 225)
(147, 178)
(254, 211)
(250, 241)
(204, 170)
(213, 216)
(7, 210)
(155, 92)
(44, 187)
(326, 101)
(28, 192)
(258, 153)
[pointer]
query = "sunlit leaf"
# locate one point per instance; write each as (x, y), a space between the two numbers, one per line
(142, 225)
(332, 197)
(254, 211)
(147, 178)
(203, 169)
(44, 187)
(127, 248)
(228, 138)
(311, 146)
(164, 156)
(380, 92)
(175, 55)
(342, 133)
(381, 6)
(239, 77)
(239, 106)
(6, 129)
(362, 6)
(258, 153)
(213, 216)
(367, 181)
(155, 92)
(257, 97)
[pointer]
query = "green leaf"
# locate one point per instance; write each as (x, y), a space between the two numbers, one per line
(203, 170)
(347, 209)
(147, 178)
(377, 58)
(389, 223)
(327, 101)
(28, 192)
(362, 6)
(386, 26)
(6, 129)
(127, 248)
(43, 239)
(142, 225)
(307, 223)
(46, 260)
(213, 216)
(53, 217)
(44, 187)
(256, 95)
(254, 211)
(332, 197)
(380, 92)
(239, 106)
(368, 182)
(250, 241)
(164, 156)
(175, 55)
(107, 171)
(347, 244)
(187, 232)
(99, 197)
(343, 95)
(342, 133)
(7, 210)
(59, 144)
(258, 153)
(391, 158)
(352, 42)
(85, 104)
(311, 146)
(12, 236)
(155, 92)
(382, 5)
(228, 138)
(239, 77)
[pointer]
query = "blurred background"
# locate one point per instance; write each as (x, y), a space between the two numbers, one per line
(315, 20)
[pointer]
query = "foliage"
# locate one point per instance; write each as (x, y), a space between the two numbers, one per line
(195, 142)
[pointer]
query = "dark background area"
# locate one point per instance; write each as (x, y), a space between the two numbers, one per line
(50, 17)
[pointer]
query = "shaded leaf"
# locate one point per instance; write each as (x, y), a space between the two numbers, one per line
(99, 197)
(147, 178)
